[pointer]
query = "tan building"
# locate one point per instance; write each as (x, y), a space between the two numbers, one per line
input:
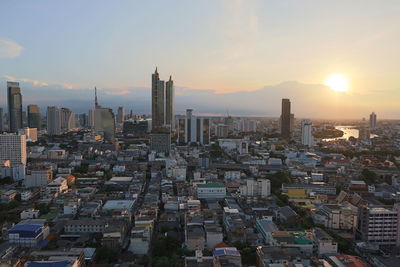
(13, 148)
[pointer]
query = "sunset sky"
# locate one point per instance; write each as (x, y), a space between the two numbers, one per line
(237, 55)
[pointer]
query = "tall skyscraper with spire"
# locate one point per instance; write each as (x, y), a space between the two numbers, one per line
(157, 101)
(285, 118)
(14, 98)
(169, 103)
(162, 113)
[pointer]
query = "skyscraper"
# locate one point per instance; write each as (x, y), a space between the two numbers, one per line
(1, 120)
(91, 118)
(169, 103)
(34, 118)
(372, 120)
(192, 129)
(157, 101)
(307, 138)
(105, 123)
(285, 118)
(53, 121)
(67, 120)
(14, 98)
(121, 115)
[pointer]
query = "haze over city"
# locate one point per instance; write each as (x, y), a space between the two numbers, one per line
(239, 57)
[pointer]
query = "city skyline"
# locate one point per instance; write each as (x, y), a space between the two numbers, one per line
(263, 56)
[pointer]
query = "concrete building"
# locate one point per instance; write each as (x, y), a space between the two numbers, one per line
(211, 191)
(266, 227)
(53, 120)
(58, 185)
(85, 226)
(307, 139)
(14, 99)
(29, 214)
(379, 225)
(34, 117)
(285, 118)
(337, 217)
(140, 240)
(38, 178)
(256, 188)
(13, 148)
(30, 133)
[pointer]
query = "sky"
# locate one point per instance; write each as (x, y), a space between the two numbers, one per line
(225, 56)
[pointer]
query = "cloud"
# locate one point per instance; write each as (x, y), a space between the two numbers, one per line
(38, 83)
(9, 49)
(123, 92)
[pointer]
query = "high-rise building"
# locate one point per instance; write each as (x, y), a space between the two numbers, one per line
(13, 148)
(83, 120)
(34, 117)
(157, 101)
(1, 120)
(169, 103)
(67, 120)
(372, 120)
(91, 118)
(14, 98)
(192, 129)
(285, 118)
(256, 188)
(307, 138)
(120, 115)
(105, 123)
(53, 121)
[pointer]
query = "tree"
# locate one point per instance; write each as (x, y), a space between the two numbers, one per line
(106, 255)
(369, 176)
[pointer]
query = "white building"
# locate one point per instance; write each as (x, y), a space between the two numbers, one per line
(307, 138)
(13, 148)
(256, 188)
(29, 214)
(211, 191)
(17, 172)
(193, 129)
(58, 185)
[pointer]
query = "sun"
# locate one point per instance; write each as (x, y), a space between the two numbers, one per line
(337, 82)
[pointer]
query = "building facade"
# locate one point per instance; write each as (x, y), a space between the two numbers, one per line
(13, 148)
(53, 120)
(285, 118)
(14, 98)
(34, 117)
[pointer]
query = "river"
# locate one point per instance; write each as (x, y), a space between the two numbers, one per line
(348, 132)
